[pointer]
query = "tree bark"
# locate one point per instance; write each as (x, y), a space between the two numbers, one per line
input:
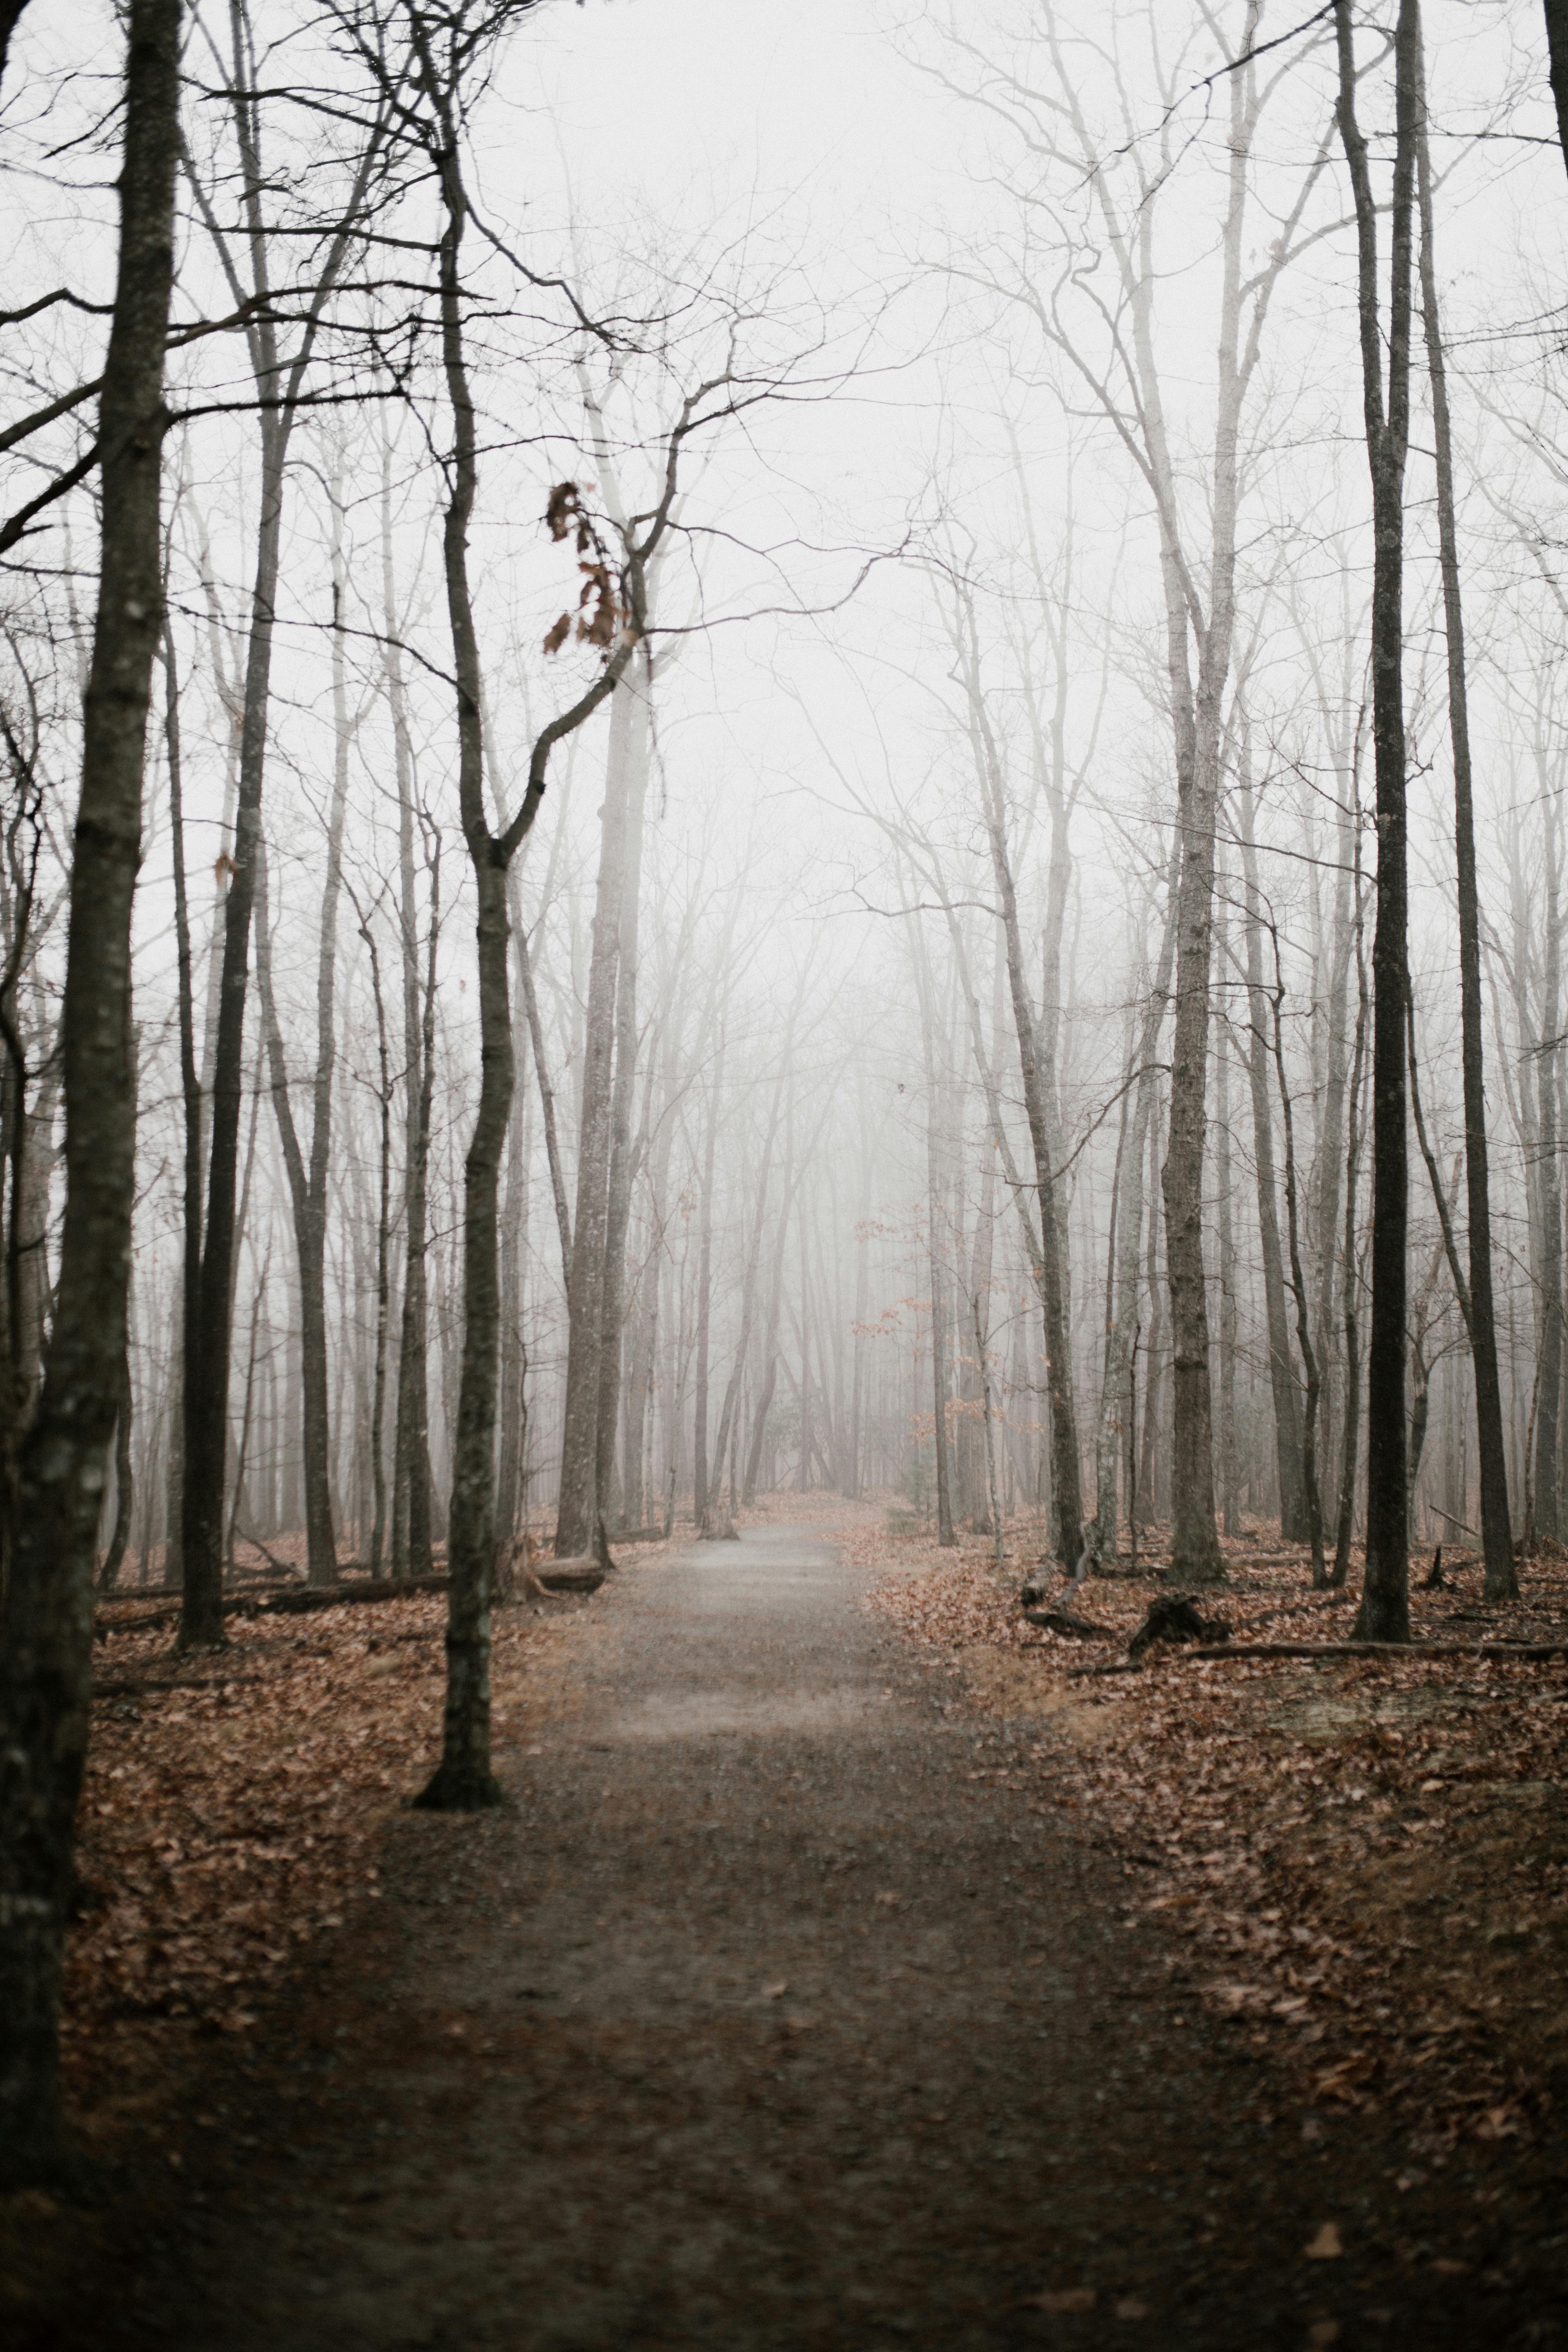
(636, 696)
(1384, 1613)
(410, 1546)
(579, 1508)
(1557, 53)
(308, 1176)
(46, 1627)
(279, 384)
(1281, 1372)
(1497, 1534)
(1065, 1472)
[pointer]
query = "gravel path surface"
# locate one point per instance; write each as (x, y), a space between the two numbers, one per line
(759, 2023)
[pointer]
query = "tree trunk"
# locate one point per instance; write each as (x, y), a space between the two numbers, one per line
(1230, 1516)
(1557, 52)
(411, 1435)
(1384, 1612)
(705, 1302)
(279, 384)
(1496, 1535)
(1281, 1373)
(463, 1781)
(579, 1509)
(636, 698)
(46, 1627)
(1065, 1472)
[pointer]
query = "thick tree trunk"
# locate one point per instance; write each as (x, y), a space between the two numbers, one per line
(46, 1617)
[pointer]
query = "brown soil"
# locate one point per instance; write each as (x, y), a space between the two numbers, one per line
(770, 2016)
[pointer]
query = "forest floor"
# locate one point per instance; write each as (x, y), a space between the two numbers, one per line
(845, 1971)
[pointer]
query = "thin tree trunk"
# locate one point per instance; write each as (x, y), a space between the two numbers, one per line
(1065, 1472)
(1230, 1518)
(383, 1259)
(1384, 1612)
(1313, 1496)
(705, 1303)
(1350, 1275)
(579, 1509)
(622, 1158)
(279, 386)
(1281, 1372)
(1496, 1535)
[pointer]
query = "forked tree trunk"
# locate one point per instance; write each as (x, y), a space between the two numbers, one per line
(45, 1615)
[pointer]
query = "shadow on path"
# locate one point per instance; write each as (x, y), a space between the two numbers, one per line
(758, 2023)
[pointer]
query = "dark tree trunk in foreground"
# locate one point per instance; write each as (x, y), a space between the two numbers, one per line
(45, 1631)
(1557, 50)
(1384, 1613)
(463, 1781)
(1496, 1535)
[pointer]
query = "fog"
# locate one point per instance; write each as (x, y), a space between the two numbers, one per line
(907, 647)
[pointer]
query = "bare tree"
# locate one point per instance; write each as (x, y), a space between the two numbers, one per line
(46, 1612)
(1384, 1613)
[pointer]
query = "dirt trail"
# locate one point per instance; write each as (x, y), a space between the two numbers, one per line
(758, 2023)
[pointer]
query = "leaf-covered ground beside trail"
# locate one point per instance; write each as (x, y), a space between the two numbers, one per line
(233, 1806)
(1364, 1862)
(1367, 1862)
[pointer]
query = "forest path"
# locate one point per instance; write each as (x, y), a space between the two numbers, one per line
(760, 2023)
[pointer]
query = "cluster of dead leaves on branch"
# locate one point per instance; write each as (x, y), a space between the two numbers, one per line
(1365, 1860)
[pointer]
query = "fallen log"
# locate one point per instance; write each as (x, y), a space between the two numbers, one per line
(302, 1598)
(128, 1687)
(288, 1601)
(1516, 1650)
(1064, 1621)
(583, 1574)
